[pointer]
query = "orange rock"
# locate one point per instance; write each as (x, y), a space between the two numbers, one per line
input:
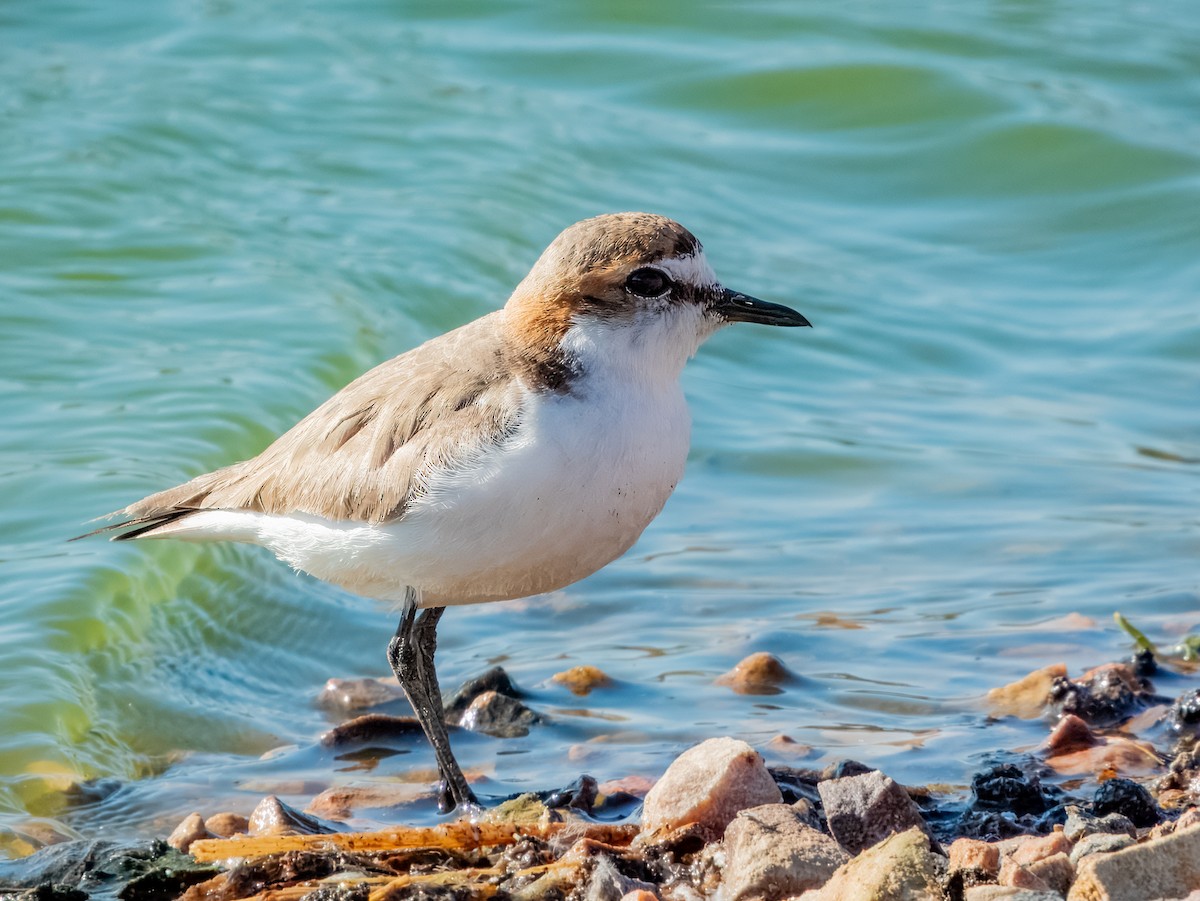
(1033, 849)
(1056, 871)
(1019, 876)
(786, 746)
(758, 674)
(633, 785)
(1026, 698)
(1071, 734)
(342, 801)
(1114, 756)
(640, 894)
(972, 854)
(582, 679)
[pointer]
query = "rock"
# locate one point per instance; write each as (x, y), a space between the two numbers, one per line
(358, 694)
(273, 817)
(1127, 798)
(226, 824)
(340, 802)
(498, 715)
(581, 680)
(709, 784)
(581, 794)
(372, 728)
(1008, 893)
(188, 831)
(1080, 823)
(495, 679)
(1006, 788)
(637, 786)
(640, 895)
(1168, 867)
(864, 810)
(607, 883)
(1071, 734)
(840, 769)
(1100, 843)
(1056, 871)
(1103, 696)
(974, 855)
(772, 853)
(1034, 848)
(758, 674)
(1026, 698)
(786, 746)
(1185, 713)
(1017, 875)
(1109, 755)
(900, 868)
(131, 871)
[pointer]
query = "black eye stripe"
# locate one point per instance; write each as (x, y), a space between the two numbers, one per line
(648, 282)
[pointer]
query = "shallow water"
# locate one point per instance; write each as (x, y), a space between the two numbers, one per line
(214, 214)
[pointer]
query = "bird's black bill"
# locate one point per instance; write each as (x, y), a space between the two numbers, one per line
(735, 307)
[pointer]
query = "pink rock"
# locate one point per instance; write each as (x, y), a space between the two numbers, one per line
(772, 853)
(1035, 849)
(709, 784)
(972, 854)
(1056, 871)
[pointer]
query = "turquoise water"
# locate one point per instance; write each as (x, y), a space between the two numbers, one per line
(214, 214)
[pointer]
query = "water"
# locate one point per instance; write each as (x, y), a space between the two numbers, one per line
(214, 214)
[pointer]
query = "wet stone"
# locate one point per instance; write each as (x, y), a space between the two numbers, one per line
(372, 728)
(495, 679)
(579, 795)
(273, 817)
(1027, 697)
(1185, 713)
(225, 824)
(1005, 787)
(140, 871)
(498, 715)
(348, 695)
(758, 674)
(1127, 798)
(1103, 696)
(191, 829)
(582, 680)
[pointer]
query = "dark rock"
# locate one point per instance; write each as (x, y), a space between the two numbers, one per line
(1104, 696)
(372, 728)
(864, 810)
(579, 795)
(358, 694)
(1080, 824)
(1143, 663)
(1126, 797)
(1185, 713)
(91, 791)
(1005, 787)
(54, 892)
(499, 715)
(495, 679)
(1100, 843)
(840, 769)
(142, 871)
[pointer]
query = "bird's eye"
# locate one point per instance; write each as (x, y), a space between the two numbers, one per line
(648, 282)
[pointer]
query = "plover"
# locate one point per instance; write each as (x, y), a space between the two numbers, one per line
(509, 457)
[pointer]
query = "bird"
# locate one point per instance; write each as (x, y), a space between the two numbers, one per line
(509, 457)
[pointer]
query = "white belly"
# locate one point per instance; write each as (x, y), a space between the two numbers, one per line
(571, 491)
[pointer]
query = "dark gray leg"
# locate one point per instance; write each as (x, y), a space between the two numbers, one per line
(411, 656)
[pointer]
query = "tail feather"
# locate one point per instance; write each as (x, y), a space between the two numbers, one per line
(140, 526)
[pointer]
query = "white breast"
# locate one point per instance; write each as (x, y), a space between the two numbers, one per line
(570, 491)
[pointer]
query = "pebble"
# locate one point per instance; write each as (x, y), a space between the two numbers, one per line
(1167, 867)
(771, 852)
(607, 883)
(495, 679)
(582, 680)
(972, 854)
(1080, 823)
(709, 784)
(1006, 788)
(786, 746)
(1056, 871)
(1008, 893)
(225, 824)
(1100, 843)
(191, 829)
(758, 674)
(864, 810)
(900, 868)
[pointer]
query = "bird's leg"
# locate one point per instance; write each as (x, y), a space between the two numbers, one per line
(411, 656)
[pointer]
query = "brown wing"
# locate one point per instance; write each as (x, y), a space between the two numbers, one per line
(365, 453)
